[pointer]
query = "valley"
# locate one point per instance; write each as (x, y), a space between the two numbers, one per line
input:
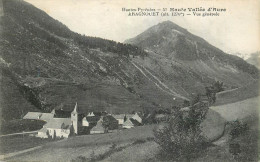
(46, 68)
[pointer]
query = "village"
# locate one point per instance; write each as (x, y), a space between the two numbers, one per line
(63, 124)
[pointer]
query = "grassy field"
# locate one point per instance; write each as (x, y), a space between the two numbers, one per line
(238, 110)
(139, 152)
(16, 143)
(20, 125)
(86, 145)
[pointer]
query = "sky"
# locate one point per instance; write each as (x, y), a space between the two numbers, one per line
(236, 30)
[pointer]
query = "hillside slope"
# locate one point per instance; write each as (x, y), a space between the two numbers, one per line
(44, 64)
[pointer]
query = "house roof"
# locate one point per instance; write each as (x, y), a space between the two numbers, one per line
(91, 114)
(58, 123)
(98, 127)
(135, 122)
(136, 115)
(44, 130)
(46, 116)
(32, 115)
(110, 118)
(128, 122)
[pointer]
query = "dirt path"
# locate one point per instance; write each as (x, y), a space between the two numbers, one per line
(18, 133)
(13, 154)
(2, 157)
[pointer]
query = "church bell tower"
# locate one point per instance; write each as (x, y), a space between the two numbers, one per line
(74, 118)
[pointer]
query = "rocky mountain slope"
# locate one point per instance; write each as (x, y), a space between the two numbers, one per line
(44, 64)
(184, 59)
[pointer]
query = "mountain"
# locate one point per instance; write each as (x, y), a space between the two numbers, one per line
(45, 65)
(178, 55)
(254, 59)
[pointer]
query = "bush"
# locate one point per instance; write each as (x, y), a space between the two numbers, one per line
(149, 138)
(181, 139)
(139, 141)
(238, 128)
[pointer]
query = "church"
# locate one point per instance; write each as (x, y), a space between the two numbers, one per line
(61, 127)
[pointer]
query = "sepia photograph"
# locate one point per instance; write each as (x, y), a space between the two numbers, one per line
(129, 80)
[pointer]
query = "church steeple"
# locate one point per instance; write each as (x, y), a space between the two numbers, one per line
(75, 111)
(74, 118)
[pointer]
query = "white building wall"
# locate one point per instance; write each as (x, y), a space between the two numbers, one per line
(59, 132)
(96, 132)
(127, 126)
(120, 121)
(85, 122)
(42, 135)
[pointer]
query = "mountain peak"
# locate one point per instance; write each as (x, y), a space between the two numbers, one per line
(167, 38)
(170, 25)
(168, 22)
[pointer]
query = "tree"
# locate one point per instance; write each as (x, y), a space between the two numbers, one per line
(106, 123)
(213, 89)
(54, 135)
(181, 139)
(218, 86)
(186, 103)
(48, 134)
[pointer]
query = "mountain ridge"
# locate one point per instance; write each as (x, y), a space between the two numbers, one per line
(164, 39)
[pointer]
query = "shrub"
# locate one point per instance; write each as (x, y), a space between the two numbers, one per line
(234, 149)
(181, 139)
(238, 128)
(139, 141)
(149, 138)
